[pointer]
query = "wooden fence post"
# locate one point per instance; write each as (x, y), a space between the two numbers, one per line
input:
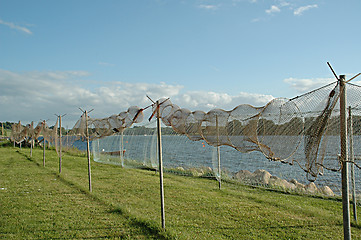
(352, 160)
(88, 150)
(160, 158)
(344, 159)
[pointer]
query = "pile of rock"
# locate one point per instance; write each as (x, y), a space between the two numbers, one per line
(262, 177)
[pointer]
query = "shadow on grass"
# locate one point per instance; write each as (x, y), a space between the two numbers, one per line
(28, 158)
(149, 228)
(356, 225)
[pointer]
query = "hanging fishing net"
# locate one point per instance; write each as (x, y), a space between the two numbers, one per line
(214, 128)
(178, 120)
(242, 127)
(303, 131)
(280, 129)
(94, 128)
(192, 125)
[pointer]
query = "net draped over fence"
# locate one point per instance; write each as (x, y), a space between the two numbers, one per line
(28, 133)
(302, 131)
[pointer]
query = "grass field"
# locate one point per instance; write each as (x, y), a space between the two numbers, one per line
(37, 202)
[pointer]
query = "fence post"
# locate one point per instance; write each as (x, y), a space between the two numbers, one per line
(60, 143)
(43, 144)
(122, 149)
(344, 159)
(218, 155)
(352, 160)
(44, 152)
(31, 148)
(88, 150)
(160, 158)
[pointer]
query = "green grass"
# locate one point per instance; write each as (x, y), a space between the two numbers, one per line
(37, 202)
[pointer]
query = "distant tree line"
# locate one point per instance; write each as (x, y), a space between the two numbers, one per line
(141, 130)
(7, 125)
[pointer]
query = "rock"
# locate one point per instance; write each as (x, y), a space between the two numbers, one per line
(244, 176)
(265, 178)
(294, 181)
(261, 176)
(180, 169)
(281, 183)
(311, 188)
(275, 182)
(325, 190)
(200, 171)
(195, 172)
(299, 186)
(257, 177)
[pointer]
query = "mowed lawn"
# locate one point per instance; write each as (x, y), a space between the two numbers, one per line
(37, 202)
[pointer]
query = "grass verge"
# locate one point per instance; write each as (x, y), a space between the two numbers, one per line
(37, 202)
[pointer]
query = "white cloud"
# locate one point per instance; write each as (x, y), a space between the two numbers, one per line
(208, 6)
(32, 96)
(16, 27)
(299, 11)
(284, 4)
(307, 84)
(273, 9)
(200, 100)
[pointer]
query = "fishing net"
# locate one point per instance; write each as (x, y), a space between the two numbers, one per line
(16, 133)
(28, 133)
(192, 125)
(318, 110)
(280, 129)
(214, 128)
(302, 131)
(137, 148)
(242, 125)
(94, 128)
(131, 148)
(178, 120)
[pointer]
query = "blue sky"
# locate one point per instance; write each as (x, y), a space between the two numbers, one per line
(57, 56)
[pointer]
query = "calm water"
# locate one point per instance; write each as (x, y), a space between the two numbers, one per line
(179, 151)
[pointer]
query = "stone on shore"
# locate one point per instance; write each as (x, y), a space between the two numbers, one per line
(326, 190)
(281, 183)
(311, 188)
(262, 177)
(257, 177)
